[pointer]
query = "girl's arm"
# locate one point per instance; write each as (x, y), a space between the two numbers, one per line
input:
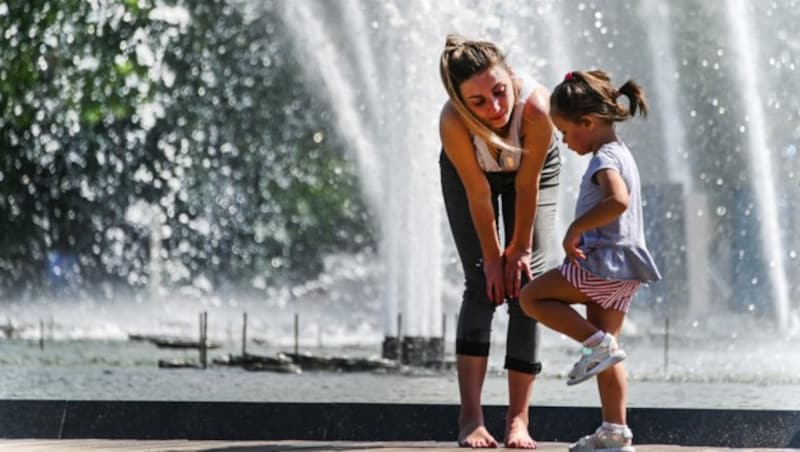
(458, 147)
(537, 132)
(614, 203)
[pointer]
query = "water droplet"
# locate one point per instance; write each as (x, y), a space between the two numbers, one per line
(721, 211)
(751, 307)
(318, 137)
(792, 254)
(742, 129)
(754, 282)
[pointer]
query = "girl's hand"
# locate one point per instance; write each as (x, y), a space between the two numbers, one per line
(493, 270)
(571, 241)
(517, 263)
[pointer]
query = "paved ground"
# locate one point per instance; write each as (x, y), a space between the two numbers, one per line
(34, 445)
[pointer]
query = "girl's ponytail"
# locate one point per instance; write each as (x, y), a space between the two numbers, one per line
(636, 99)
(591, 92)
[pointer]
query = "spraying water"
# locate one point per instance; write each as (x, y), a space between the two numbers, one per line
(744, 43)
(376, 65)
(379, 71)
(400, 178)
(659, 39)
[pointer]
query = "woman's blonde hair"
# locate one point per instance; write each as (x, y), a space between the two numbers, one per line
(591, 92)
(460, 60)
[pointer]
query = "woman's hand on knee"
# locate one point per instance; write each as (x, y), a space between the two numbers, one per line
(495, 288)
(517, 263)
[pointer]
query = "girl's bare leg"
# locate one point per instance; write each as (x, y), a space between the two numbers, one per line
(547, 299)
(613, 382)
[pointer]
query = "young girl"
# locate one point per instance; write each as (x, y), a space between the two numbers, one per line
(607, 258)
(499, 159)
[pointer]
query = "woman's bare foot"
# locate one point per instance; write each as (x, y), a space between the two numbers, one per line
(517, 435)
(476, 436)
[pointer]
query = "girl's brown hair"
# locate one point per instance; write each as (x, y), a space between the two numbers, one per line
(460, 60)
(591, 92)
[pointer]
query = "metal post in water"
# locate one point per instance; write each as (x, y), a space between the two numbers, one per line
(296, 334)
(399, 338)
(444, 335)
(203, 337)
(244, 334)
(399, 326)
(666, 344)
(200, 337)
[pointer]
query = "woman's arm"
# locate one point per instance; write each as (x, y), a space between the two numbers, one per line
(537, 132)
(458, 147)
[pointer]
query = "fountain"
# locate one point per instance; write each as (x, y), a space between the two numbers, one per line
(744, 44)
(276, 173)
(380, 76)
(718, 156)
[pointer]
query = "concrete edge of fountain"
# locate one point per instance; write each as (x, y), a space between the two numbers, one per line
(239, 421)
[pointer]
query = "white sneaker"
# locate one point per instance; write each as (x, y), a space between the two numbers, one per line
(595, 360)
(605, 441)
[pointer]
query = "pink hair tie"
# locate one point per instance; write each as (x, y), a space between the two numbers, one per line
(570, 75)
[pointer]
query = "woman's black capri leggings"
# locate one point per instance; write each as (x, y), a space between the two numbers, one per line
(475, 318)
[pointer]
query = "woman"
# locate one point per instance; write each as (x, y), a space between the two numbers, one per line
(499, 160)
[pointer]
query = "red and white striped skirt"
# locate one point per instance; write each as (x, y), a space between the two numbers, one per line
(608, 293)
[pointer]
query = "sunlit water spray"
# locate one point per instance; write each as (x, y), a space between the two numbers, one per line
(376, 116)
(744, 44)
(659, 39)
(376, 64)
(378, 67)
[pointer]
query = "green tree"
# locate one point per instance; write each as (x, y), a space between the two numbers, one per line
(191, 110)
(259, 196)
(69, 86)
